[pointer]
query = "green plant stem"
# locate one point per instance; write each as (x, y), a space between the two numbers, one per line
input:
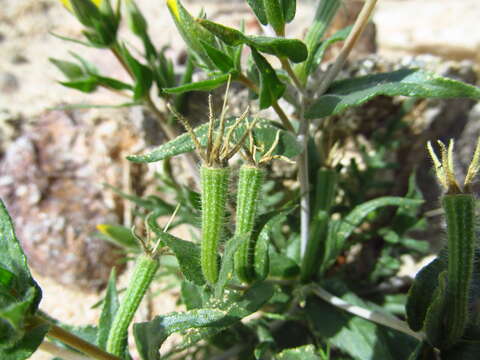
(281, 114)
(302, 137)
(325, 188)
(288, 68)
(357, 30)
(460, 216)
(214, 185)
(250, 182)
(74, 341)
(145, 269)
(168, 130)
(371, 315)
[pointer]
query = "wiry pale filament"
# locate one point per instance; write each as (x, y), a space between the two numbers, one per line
(474, 166)
(140, 240)
(449, 171)
(437, 165)
(217, 145)
(284, 158)
(165, 229)
(268, 155)
(444, 160)
(189, 129)
(211, 121)
(218, 141)
(232, 129)
(238, 146)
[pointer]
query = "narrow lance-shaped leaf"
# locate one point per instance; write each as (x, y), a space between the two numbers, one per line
(109, 309)
(188, 256)
(201, 323)
(324, 14)
(340, 230)
(191, 31)
(318, 53)
(289, 8)
(221, 60)
(274, 12)
(407, 82)
(226, 269)
(259, 9)
(142, 74)
(19, 296)
(421, 293)
(271, 88)
(119, 235)
(264, 133)
(293, 49)
(204, 85)
(306, 352)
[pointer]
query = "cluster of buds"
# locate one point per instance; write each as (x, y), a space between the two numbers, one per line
(100, 19)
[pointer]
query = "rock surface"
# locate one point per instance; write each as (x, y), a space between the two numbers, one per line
(52, 182)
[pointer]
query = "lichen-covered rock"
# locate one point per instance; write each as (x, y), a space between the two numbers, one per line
(52, 182)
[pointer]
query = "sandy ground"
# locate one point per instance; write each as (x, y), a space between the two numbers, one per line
(28, 82)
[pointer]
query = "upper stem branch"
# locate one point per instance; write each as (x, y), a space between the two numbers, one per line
(331, 74)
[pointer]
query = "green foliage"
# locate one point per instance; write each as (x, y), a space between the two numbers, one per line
(361, 339)
(19, 297)
(295, 50)
(202, 323)
(407, 82)
(109, 310)
(289, 241)
(264, 135)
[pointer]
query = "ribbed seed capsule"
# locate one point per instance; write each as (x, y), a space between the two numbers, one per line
(145, 269)
(460, 216)
(326, 186)
(214, 183)
(249, 185)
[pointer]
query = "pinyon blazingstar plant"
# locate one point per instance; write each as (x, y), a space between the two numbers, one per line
(272, 269)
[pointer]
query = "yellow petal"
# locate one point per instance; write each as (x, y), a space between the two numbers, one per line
(69, 7)
(67, 4)
(173, 6)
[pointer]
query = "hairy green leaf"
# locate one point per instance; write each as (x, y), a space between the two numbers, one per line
(149, 336)
(119, 235)
(360, 338)
(200, 323)
(340, 230)
(221, 60)
(226, 270)
(421, 294)
(407, 82)
(315, 60)
(259, 10)
(306, 352)
(271, 88)
(142, 74)
(26, 346)
(191, 31)
(434, 319)
(289, 9)
(264, 134)
(109, 309)
(293, 49)
(19, 293)
(188, 255)
(69, 69)
(204, 85)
